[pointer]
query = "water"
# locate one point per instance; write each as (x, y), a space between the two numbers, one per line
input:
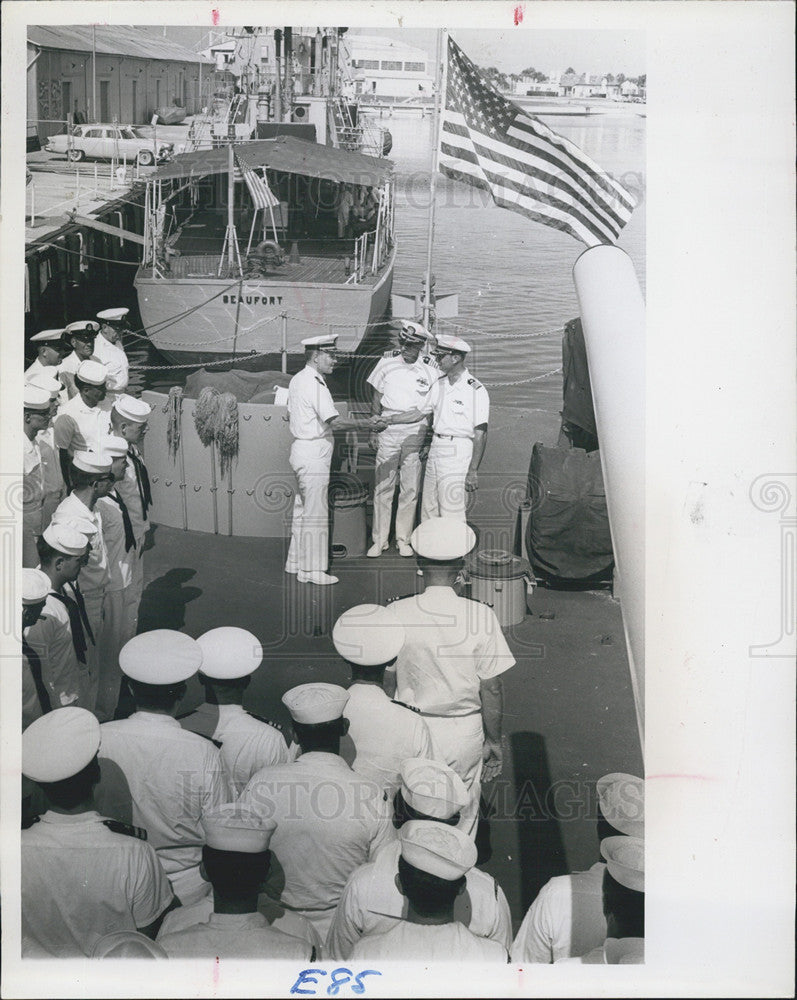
(513, 276)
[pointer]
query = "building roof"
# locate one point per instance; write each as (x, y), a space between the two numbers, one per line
(285, 153)
(117, 39)
(361, 46)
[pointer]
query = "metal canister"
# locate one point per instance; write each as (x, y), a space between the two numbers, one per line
(503, 581)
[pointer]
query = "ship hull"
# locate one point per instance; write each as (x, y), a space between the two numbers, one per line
(193, 320)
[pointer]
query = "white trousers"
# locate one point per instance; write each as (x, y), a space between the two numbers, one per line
(444, 481)
(458, 741)
(309, 548)
(397, 456)
(132, 594)
(109, 676)
(95, 612)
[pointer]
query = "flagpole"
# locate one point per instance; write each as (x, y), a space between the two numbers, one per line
(442, 57)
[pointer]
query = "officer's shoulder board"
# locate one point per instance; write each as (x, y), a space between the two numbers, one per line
(399, 597)
(127, 829)
(320, 380)
(394, 353)
(475, 384)
(403, 704)
(268, 722)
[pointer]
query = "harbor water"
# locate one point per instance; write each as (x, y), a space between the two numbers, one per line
(513, 276)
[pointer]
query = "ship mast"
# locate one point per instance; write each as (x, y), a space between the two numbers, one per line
(441, 57)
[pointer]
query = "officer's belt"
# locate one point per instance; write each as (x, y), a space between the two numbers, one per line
(453, 437)
(448, 715)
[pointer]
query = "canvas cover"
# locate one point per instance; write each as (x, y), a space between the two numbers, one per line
(578, 415)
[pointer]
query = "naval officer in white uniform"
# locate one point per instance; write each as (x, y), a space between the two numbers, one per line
(312, 415)
(50, 351)
(248, 743)
(401, 380)
(83, 876)
(108, 348)
(461, 410)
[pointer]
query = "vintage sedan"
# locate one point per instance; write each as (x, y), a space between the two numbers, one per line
(106, 142)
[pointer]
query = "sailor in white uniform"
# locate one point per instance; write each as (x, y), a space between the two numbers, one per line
(35, 697)
(54, 485)
(50, 352)
(383, 733)
(623, 905)
(120, 545)
(36, 416)
(401, 380)
(566, 919)
(236, 859)
(83, 876)
(461, 410)
(312, 414)
(372, 902)
(108, 348)
(432, 867)
(451, 663)
(129, 421)
(80, 337)
(83, 420)
(248, 743)
(329, 819)
(159, 775)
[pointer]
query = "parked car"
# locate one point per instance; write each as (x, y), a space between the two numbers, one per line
(103, 142)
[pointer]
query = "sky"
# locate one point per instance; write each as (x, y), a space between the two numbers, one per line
(547, 50)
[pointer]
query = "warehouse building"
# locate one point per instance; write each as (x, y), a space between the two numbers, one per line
(387, 69)
(109, 72)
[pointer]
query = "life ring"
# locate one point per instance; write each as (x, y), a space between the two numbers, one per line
(270, 251)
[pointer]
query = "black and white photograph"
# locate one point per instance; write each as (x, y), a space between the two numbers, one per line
(399, 546)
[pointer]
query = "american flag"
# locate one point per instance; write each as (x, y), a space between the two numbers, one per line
(491, 143)
(261, 193)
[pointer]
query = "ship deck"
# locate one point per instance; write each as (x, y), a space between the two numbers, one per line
(307, 270)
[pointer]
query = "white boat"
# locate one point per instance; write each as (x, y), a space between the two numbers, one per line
(222, 279)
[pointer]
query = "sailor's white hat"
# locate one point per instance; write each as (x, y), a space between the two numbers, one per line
(368, 635)
(229, 652)
(113, 445)
(93, 372)
(448, 342)
(65, 538)
(325, 340)
(432, 788)
(59, 744)
(127, 944)
(162, 656)
(622, 802)
(35, 398)
(113, 315)
(82, 327)
(237, 827)
(313, 704)
(92, 461)
(75, 521)
(45, 336)
(625, 859)
(132, 409)
(35, 586)
(439, 850)
(41, 380)
(443, 538)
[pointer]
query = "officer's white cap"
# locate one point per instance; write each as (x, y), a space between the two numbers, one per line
(113, 315)
(450, 343)
(45, 336)
(59, 744)
(413, 332)
(65, 538)
(432, 788)
(35, 586)
(622, 802)
(35, 398)
(325, 340)
(313, 704)
(92, 461)
(237, 827)
(83, 326)
(625, 859)
(93, 372)
(41, 380)
(230, 652)
(443, 538)
(162, 656)
(113, 446)
(368, 635)
(439, 850)
(82, 524)
(127, 944)
(132, 409)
